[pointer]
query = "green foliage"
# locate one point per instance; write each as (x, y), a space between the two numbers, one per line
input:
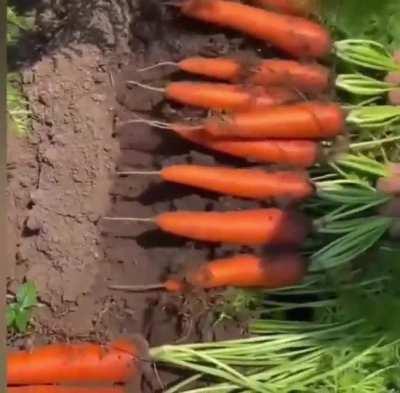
(377, 305)
(18, 313)
(17, 106)
(378, 20)
(19, 116)
(15, 24)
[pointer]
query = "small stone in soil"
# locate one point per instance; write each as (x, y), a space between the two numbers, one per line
(33, 223)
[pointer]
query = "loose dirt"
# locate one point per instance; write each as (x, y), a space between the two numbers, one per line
(62, 176)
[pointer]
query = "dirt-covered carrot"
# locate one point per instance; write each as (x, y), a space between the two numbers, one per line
(249, 271)
(294, 7)
(64, 389)
(310, 120)
(240, 271)
(297, 36)
(246, 183)
(301, 153)
(75, 363)
(221, 96)
(270, 226)
(305, 77)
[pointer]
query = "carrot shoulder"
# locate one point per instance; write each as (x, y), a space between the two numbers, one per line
(249, 271)
(248, 227)
(297, 36)
(74, 363)
(310, 120)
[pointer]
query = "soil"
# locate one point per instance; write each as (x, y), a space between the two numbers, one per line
(62, 176)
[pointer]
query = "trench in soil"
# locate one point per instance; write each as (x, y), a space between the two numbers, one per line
(62, 175)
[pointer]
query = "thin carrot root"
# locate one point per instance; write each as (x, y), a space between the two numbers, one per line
(136, 288)
(170, 285)
(157, 65)
(159, 124)
(147, 87)
(145, 173)
(130, 219)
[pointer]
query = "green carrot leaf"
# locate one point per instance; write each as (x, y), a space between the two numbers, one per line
(21, 320)
(11, 314)
(27, 295)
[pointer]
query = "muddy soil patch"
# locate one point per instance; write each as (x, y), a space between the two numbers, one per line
(62, 178)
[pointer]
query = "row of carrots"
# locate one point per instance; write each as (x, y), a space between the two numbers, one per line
(260, 116)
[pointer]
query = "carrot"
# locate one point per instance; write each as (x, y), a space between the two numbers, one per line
(270, 226)
(310, 78)
(311, 120)
(302, 153)
(389, 185)
(305, 77)
(249, 271)
(218, 68)
(74, 363)
(245, 183)
(297, 36)
(240, 271)
(294, 7)
(224, 96)
(63, 389)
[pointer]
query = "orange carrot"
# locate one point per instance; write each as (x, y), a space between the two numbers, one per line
(297, 36)
(310, 78)
(64, 389)
(305, 77)
(245, 183)
(294, 7)
(302, 153)
(248, 227)
(311, 120)
(74, 363)
(249, 271)
(218, 68)
(222, 96)
(240, 271)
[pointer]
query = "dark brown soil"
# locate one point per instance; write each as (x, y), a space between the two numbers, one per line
(62, 182)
